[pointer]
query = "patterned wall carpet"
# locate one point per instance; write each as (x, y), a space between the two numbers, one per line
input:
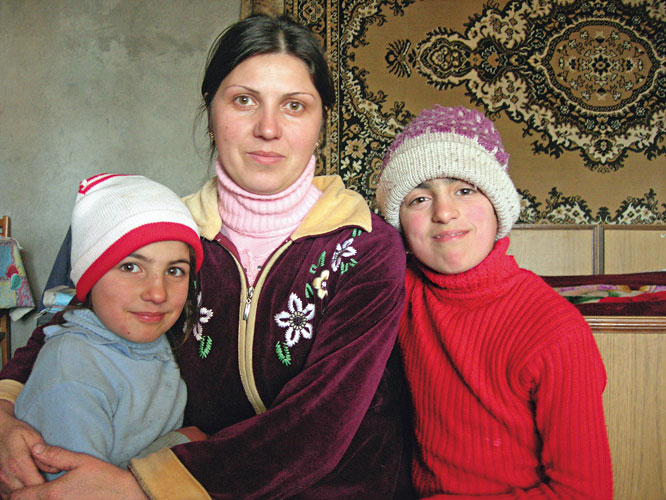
(576, 88)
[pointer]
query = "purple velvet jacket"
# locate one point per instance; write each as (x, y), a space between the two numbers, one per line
(293, 379)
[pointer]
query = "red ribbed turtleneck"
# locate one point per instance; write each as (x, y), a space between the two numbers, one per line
(506, 381)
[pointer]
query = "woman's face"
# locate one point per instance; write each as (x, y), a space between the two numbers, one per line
(266, 117)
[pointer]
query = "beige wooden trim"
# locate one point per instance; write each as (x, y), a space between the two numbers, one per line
(541, 263)
(620, 255)
(627, 324)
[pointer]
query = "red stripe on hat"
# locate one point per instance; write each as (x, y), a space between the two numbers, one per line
(133, 240)
(93, 181)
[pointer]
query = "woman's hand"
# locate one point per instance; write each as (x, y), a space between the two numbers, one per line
(17, 467)
(87, 477)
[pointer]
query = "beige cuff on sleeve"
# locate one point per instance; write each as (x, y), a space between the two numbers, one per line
(10, 389)
(163, 477)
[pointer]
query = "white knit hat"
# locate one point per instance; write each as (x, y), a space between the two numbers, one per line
(114, 215)
(455, 143)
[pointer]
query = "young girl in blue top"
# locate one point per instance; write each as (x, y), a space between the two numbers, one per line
(106, 382)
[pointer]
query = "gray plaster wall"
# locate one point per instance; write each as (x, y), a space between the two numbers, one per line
(89, 86)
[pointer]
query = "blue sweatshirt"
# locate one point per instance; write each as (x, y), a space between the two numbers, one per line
(93, 392)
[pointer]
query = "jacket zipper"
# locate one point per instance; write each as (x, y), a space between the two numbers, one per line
(248, 303)
(246, 331)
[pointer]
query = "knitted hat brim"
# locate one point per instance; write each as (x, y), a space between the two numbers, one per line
(92, 266)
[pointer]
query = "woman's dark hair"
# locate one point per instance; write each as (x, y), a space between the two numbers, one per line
(261, 34)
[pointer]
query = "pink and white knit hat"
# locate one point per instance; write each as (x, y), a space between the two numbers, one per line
(456, 143)
(114, 215)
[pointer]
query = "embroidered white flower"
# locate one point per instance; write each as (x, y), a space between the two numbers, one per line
(205, 316)
(320, 284)
(342, 251)
(296, 320)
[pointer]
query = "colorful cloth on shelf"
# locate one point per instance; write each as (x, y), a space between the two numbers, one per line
(651, 284)
(582, 294)
(15, 293)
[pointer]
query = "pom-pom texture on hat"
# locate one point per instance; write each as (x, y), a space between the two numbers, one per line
(456, 143)
(115, 215)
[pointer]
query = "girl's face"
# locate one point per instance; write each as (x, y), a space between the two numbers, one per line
(266, 117)
(140, 298)
(449, 225)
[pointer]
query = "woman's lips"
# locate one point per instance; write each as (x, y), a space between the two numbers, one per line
(266, 157)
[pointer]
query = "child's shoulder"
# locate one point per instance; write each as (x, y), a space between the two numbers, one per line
(65, 360)
(72, 349)
(534, 283)
(541, 307)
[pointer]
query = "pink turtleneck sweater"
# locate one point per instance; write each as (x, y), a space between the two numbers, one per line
(258, 224)
(506, 382)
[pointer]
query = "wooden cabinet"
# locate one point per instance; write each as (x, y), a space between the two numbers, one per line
(634, 354)
(562, 250)
(555, 250)
(633, 249)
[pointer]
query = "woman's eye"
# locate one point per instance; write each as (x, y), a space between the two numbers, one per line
(295, 106)
(466, 191)
(243, 100)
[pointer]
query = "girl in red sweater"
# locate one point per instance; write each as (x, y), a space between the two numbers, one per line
(505, 376)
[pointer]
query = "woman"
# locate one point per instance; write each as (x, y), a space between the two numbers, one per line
(289, 369)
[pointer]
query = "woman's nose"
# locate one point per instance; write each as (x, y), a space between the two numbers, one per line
(268, 124)
(445, 210)
(155, 290)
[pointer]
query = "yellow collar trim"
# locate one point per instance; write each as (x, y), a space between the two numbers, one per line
(337, 207)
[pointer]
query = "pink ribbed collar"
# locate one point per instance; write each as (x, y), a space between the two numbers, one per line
(265, 216)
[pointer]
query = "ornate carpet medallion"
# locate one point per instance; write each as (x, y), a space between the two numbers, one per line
(583, 76)
(575, 79)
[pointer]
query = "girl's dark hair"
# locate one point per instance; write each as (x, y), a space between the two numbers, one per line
(261, 34)
(179, 332)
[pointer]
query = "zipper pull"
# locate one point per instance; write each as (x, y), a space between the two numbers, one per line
(248, 301)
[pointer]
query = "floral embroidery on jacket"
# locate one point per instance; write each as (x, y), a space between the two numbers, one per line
(297, 318)
(205, 342)
(319, 283)
(342, 257)
(297, 322)
(341, 252)
(309, 291)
